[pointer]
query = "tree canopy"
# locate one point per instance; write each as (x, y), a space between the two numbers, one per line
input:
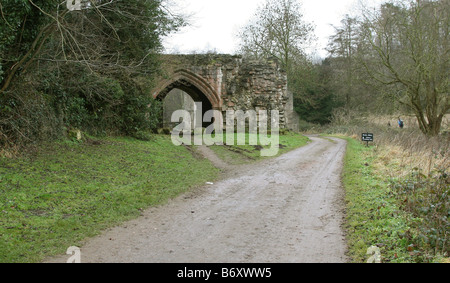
(89, 68)
(279, 30)
(410, 51)
(396, 57)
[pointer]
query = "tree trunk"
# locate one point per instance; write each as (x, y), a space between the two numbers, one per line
(432, 127)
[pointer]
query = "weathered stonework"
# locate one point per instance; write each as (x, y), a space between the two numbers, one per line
(227, 82)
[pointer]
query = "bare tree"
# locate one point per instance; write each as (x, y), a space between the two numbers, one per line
(410, 44)
(116, 35)
(343, 48)
(277, 30)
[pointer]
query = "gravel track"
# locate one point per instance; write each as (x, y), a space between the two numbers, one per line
(288, 209)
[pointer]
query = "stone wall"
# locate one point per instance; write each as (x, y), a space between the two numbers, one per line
(229, 83)
(176, 100)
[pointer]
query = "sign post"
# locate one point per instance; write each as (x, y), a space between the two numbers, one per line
(367, 137)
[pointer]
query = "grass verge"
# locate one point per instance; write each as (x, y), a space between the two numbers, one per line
(372, 216)
(242, 154)
(66, 192)
(375, 216)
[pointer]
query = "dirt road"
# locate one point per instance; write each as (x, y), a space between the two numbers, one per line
(287, 209)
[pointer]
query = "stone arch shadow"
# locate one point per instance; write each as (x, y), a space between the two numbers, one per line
(194, 85)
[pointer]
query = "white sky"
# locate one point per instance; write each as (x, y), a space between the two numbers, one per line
(215, 23)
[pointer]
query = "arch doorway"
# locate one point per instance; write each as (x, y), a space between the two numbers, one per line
(189, 92)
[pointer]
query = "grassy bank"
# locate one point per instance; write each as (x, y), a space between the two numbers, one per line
(64, 192)
(373, 219)
(391, 204)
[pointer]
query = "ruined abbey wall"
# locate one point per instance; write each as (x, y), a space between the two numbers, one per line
(230, 83)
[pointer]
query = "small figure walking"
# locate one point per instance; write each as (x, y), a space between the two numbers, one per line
(401, 124)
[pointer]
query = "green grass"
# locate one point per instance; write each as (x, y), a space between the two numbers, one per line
(241, 154)
(66, 192)
(373, 217)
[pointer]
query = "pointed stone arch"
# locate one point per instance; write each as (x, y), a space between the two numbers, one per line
(227, 82)
(193, 84)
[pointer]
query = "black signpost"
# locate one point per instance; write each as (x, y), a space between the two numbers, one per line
(367, 137)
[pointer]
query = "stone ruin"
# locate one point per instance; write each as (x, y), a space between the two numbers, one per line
(226, 82)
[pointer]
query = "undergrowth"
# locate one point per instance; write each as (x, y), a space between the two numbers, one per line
(426, 200)
(398, 191)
